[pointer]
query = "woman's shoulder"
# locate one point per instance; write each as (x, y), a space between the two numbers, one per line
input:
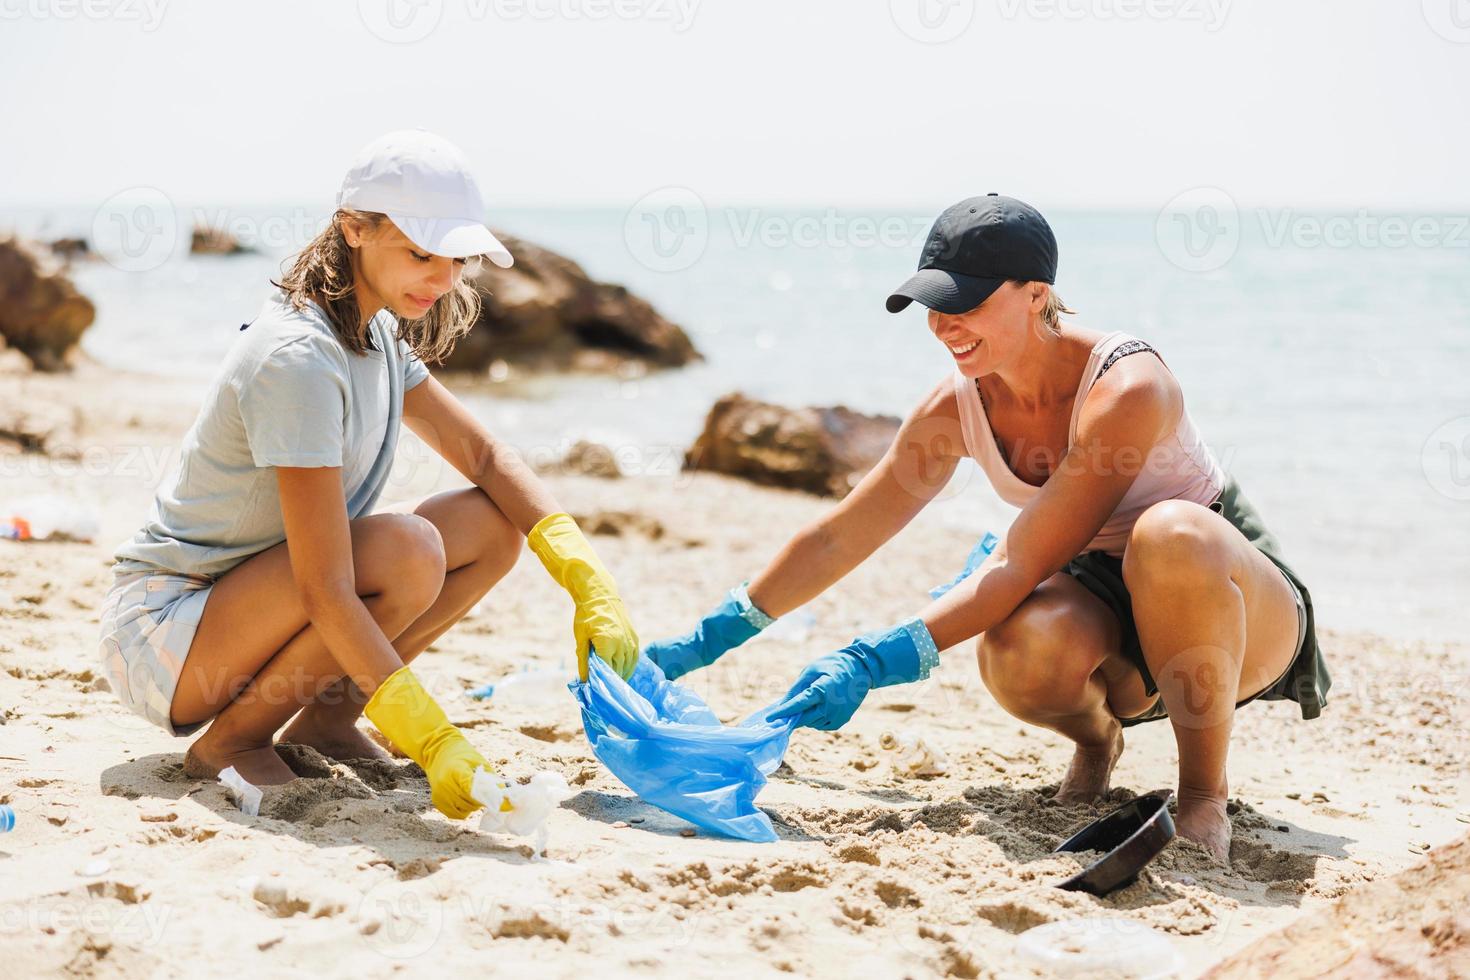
(286, 335)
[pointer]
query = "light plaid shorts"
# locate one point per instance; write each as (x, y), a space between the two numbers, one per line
(148, 624)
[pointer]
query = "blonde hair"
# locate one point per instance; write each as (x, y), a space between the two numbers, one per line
(323, 272)
(1051, 313)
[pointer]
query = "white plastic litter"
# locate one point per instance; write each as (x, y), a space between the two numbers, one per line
(534, 687)
(1099, 945)
(917, 756)
(245, 794)
(794, 627)
(92, 869)
(530, 804)
(39, 518)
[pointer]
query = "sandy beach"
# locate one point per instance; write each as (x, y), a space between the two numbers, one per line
(121, 866)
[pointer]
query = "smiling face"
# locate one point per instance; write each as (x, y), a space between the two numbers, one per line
(995, 332)
(392, 271)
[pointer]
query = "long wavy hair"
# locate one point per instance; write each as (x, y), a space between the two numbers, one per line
(323, 272)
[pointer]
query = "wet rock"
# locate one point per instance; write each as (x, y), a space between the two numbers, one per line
(216, 241)
(42, 314)
(824, 451)
(546, 312)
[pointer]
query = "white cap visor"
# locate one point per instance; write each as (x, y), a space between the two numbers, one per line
(452, 237)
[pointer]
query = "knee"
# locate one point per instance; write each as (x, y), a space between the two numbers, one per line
(1038, 661)
(416, 559)
(1175, 541)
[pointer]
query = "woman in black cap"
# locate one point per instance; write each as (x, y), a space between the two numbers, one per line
(1136, 583)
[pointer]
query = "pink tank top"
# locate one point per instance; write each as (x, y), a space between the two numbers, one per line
(1180, 467)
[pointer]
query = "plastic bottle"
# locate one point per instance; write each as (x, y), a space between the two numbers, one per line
(916, 756)
(7, 819)
(540, 686)
(39, 518)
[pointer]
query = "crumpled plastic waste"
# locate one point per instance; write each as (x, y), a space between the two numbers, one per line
(245, 794)
(531, 803)
(917, 756)
(665, 744)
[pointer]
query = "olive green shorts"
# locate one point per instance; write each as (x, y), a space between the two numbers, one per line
(1306, 679)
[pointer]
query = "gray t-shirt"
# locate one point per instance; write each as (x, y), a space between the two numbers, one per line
(289, 394)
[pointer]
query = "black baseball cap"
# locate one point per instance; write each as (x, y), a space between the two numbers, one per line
(975, 247)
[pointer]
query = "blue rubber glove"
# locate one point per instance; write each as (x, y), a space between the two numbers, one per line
(726, 626)
(831, 688)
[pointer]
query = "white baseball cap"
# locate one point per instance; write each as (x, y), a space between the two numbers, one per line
(424, 185)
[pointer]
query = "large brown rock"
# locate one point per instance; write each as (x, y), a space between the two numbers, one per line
(1414, 924)
(544, 312)
(825, 451)
(41, 313)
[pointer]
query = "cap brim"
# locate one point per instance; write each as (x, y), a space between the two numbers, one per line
(453, 237)
(943, 292)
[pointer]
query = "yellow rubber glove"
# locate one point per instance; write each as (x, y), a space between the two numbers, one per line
(600, 621)
(414, 722)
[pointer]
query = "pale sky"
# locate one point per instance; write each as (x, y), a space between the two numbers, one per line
(1080, 103)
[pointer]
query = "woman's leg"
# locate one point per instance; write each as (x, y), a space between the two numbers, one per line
(256, 661)
(480, 549)
(1055, 662)
(1218, 623)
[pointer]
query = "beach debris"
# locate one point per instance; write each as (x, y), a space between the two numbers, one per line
(824, 451)
(7, 818)
(243, 793)
(916, 755)
(47, 518)
(42, 314)
(546, 312)
(95, 868)
(539, 686)
(1099, 945)
(974, 560)
(530, 803)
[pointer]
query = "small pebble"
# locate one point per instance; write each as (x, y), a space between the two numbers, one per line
(620, 824)
(635, 820)
(94, 868)
(1283, 828)
(1293, 796)
(687, 832)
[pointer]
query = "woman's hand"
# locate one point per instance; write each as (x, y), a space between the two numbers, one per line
(723, 628)
(600, 621)
(832, 688)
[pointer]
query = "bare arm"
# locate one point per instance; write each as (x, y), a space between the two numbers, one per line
(319, 543)
(1135, 404)
(443, 422)
(915, 469)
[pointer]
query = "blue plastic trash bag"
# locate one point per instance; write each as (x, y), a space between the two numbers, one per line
(978, 554)
(666, 745)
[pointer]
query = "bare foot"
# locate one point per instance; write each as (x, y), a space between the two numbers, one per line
(1204, 820)
(340, 743)
(1087, 777)
(258, 764)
